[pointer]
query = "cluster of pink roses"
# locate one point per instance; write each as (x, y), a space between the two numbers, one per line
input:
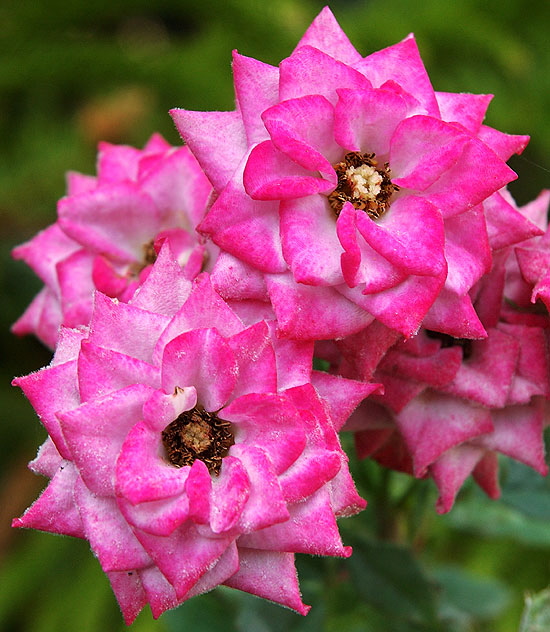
(344, 211)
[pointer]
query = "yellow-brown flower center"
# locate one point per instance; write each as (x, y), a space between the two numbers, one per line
(197, 434)
(363, 183)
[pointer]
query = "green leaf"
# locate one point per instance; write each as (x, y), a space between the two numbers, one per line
(388, 577)
(526, 490)
(466, 593)
(536, 616)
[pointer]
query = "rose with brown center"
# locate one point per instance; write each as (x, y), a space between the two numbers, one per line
(362, 183)
(197, 434)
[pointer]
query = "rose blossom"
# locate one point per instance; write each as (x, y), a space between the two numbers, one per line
(188, 449)
(347, 189)
(109, 230)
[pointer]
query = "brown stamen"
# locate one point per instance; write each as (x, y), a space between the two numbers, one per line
(362, 183)
(197, 434)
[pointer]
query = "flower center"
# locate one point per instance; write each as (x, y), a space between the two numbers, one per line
(197, 434)
(363, 183)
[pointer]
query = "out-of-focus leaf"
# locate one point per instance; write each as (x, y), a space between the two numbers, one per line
(526, 490)
(388, 577)
(212, 611)
(536, 616)
(487, 518)
(479, 597)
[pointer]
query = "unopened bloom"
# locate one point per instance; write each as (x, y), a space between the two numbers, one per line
(109, 230)
(190, 450)
(348, 189)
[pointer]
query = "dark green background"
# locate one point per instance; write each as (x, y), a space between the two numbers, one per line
(72, 74)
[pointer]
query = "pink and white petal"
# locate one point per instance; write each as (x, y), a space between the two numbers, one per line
(260, 419)
(411, 236)
(203, 359)
(44, 251)
(161, 409)
(51, 390)
(344, 499)
(465, 184)
(518, 433)
(272, 175)
(326, 34)
(42, 318)
(203, 309)
(467, 250)
(422, 149)
(142, 472)
(116, 220)
(110, 536)
(201, 132)
(486, 475)
(252, 311)
(267, 502)
(483, 380)
(198, 489)
(362, 352)
(402, 307)
(306, 312)
(310, 243)
(76, 288)
(224, 568)
(129, 593)
(230, 493)
(246, 228)
(433, 423)
(341, 395)
(116, 163)
(166, 287)
(125, 328)
(365, 120)
(451, 470)
(303, 129)
(454, 315)
(436, 370)
(310, 529)
(235, 279)
(309, 473)
(270, 575)
(256, 89)
(160, 594)
(306, 70)
(505, 224)
(79, 182)
(360, 263)
(533, 372)
(293, 357)
(95, 433)
(103, 371)
(255, 356)
(504, 145)
(466, 109)
(179, 189)
(157, 517)
(55, 510)
(184, 556)
(47, 460)
(401, 63)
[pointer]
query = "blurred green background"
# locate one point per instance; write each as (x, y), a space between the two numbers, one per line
(72, 74)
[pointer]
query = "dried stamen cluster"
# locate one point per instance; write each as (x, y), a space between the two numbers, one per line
(197, 434)
(362, 183)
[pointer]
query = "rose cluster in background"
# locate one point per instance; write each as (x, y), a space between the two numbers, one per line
(344, 213)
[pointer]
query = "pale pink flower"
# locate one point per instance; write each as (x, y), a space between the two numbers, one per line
(188, 449)
(109, 230)
(347, 189)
